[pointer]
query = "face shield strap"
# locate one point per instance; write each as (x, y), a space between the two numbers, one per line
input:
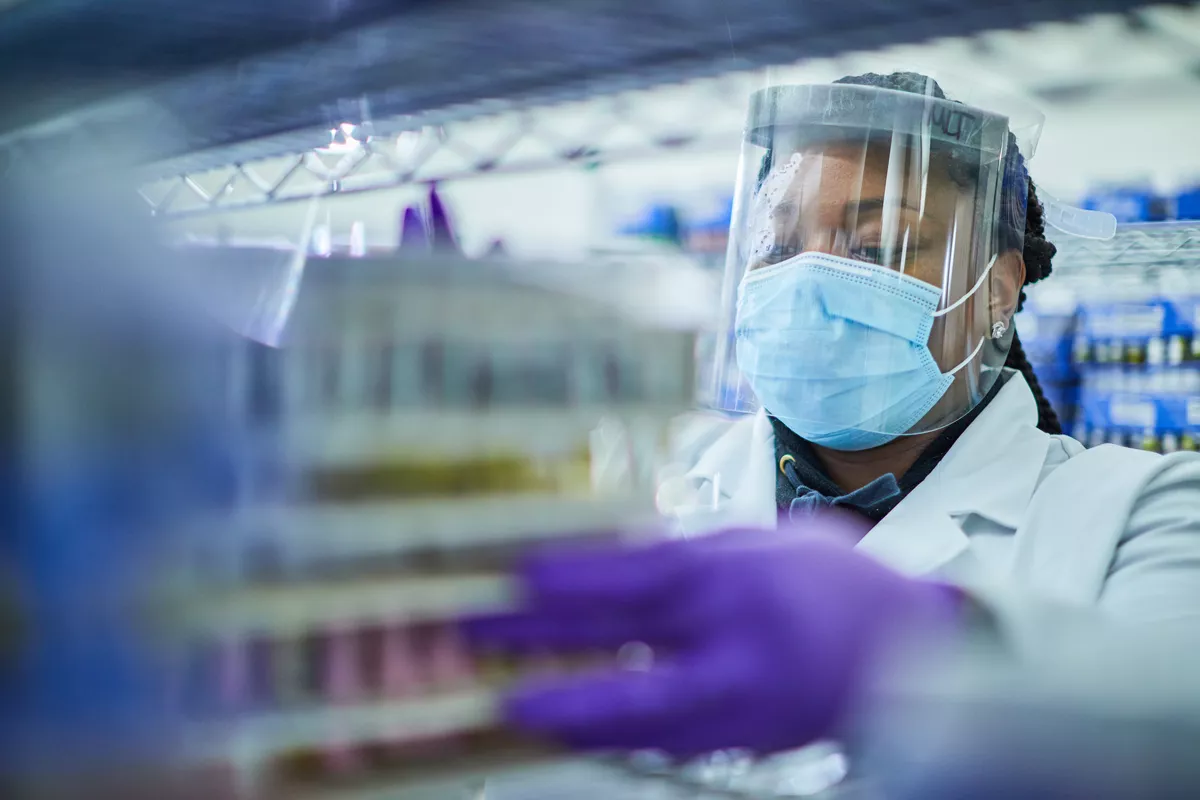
(1084, 223)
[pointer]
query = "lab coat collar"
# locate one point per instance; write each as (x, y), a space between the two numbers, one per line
(992, 471)
(738, 472)
(994, 467)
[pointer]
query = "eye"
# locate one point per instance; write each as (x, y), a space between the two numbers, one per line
(779, 253)
(870, 253)
(786, 211)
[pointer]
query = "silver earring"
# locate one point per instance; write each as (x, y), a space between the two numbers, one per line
(998, 330)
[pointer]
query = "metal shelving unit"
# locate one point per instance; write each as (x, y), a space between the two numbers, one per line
(1135, 249)
(227, 83)
(389, 151)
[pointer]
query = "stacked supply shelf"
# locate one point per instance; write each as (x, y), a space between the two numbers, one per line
(1047, 326)
(1139, 362)
(422, 426)
(1130, 309)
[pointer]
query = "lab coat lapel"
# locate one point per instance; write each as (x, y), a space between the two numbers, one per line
(737, 476)
(992, 470)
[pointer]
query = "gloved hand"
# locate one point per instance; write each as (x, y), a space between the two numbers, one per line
(761, 638)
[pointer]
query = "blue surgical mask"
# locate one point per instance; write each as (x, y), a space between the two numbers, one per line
(838, 350)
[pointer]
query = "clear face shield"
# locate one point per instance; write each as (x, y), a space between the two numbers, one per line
(875, 261)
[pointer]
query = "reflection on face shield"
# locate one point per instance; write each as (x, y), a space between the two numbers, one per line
(854, 250)
(925, 195)
(871, 203)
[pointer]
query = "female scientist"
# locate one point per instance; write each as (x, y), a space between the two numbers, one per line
(880, 245)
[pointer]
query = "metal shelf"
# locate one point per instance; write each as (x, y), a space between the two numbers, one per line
(1136, 247)
(271, 85)
(622, 127)
(84, 50)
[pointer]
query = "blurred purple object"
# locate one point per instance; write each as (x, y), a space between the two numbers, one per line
(763, 639)
(441, 232)
(413, 235)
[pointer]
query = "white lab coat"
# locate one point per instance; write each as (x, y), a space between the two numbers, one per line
(1033, 525)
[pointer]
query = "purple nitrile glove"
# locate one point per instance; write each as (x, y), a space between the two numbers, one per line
(762, 638)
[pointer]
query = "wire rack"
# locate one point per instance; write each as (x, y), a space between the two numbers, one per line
(1135, 248)
(390, 152)
(200, 90)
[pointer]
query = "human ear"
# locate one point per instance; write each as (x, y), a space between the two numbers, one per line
(1007, 278)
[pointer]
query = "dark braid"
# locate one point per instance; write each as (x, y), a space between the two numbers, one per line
(1018, 201)
(1038, 253)
(1047, 417)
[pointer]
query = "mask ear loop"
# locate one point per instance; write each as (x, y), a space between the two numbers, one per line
(974, 289)
(987, 271)
(969, 358)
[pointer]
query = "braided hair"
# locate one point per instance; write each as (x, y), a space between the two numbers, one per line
(1018, 202)
(1038, 253)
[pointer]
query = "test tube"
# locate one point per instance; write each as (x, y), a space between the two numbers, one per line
(233, 674)
(399, 667)
(399, 678)
(199, 670)
(343, 684)
(289, 668)
(382, 356)
(433, 372)
(250, 681)
(612, 377)
(329, 375)
(482, 384)
(441, 656)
